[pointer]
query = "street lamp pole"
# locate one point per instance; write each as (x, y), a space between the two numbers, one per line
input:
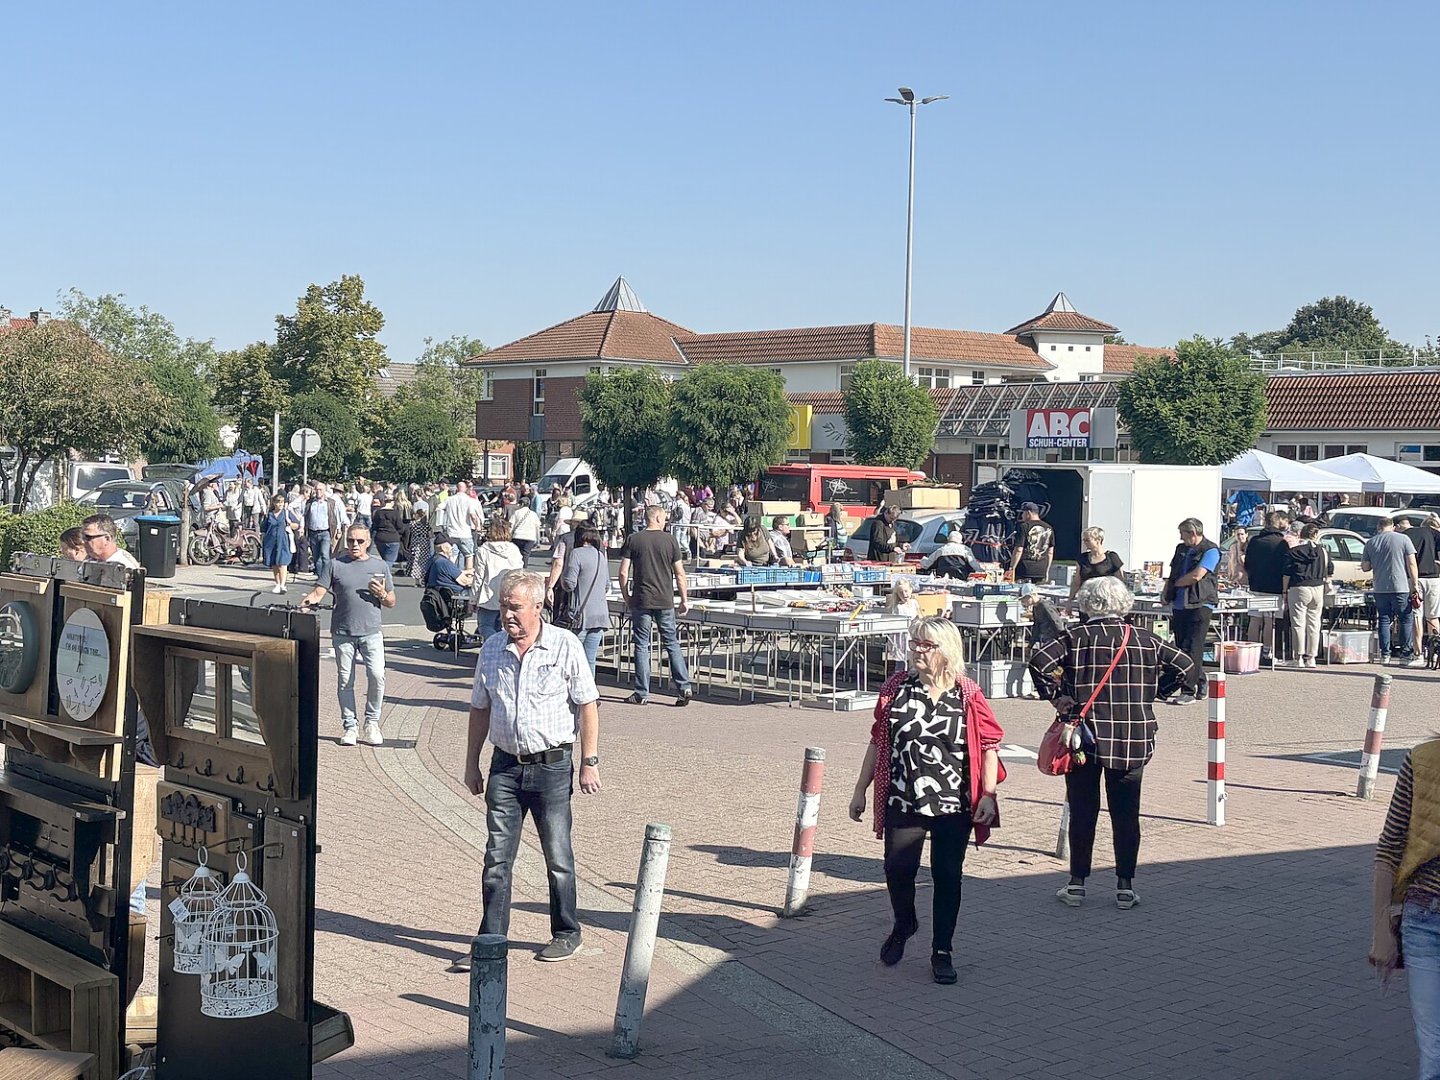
(907, 98)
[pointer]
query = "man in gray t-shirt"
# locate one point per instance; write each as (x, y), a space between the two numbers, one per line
(362, 586)
(1390, 556)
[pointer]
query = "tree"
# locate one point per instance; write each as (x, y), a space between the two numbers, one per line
(344, 449)
(249, 395)
(190, 432)
(420, 443)
(1203, 406)
(891, 420)
(727, 423)
(330, 344)
(529, 460)
(621, 414)
(440, 378)
(61, 391)
(1333, 326)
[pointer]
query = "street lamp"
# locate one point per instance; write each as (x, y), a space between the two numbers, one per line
(907, 98)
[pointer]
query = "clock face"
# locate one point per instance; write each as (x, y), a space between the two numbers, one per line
(19, 647)
(82, 665)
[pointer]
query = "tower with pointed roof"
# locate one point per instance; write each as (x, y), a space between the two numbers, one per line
(1074, 344)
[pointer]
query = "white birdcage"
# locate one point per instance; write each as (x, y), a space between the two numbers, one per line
(191, 911)
(239, 943)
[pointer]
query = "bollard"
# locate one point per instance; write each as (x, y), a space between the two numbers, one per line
(1374, 736)
(1215, 783)
(640, 945)
(1062, 843)
(807, 813)
(488, 960)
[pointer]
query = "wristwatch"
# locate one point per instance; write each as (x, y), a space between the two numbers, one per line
(593, 759)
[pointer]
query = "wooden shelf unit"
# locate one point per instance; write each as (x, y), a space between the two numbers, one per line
(57, 1001)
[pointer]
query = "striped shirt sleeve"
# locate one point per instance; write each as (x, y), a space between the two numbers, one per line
(1391, 847)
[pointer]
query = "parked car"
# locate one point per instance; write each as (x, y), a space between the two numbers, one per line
(87, 476)
(124, 500)
(1365, 520)
(1345, 548)
(923, 530)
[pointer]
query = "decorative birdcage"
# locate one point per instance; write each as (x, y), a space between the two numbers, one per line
(239, 943)
(191, 911)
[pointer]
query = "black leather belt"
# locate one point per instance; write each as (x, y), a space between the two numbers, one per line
(546, 757)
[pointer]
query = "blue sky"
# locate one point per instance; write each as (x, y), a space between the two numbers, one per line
(489, 169)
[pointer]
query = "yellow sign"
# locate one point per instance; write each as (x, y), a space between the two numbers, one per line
(800, 419)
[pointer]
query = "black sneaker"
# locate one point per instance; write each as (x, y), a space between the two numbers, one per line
(683, 698)
(1184, 699)
(560, 948)
(893, 950)
(635, 699)
(942, 968)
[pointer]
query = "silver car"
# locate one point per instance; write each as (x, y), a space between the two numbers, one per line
(923, 530)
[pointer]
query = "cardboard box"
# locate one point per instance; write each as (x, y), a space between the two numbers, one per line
(775, 506)
(931, 604)
(916, 497)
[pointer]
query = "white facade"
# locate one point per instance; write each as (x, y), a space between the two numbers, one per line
(1074, 353)
(1407, 446)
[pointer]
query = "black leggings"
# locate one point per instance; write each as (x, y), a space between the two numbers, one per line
(904, 838)
(1122, 793)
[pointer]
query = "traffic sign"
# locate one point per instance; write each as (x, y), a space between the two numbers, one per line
(305, 443)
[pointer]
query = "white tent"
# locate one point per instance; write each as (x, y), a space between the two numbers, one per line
(1378, 474)
(1256, 470)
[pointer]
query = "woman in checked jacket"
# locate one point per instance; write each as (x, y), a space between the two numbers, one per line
(1119, 728)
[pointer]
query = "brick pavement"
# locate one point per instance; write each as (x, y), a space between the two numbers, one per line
(1245, 958)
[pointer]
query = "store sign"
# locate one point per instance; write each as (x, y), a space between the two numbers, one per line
(1047, 429)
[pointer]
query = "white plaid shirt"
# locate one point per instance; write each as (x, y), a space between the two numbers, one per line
(534, 701)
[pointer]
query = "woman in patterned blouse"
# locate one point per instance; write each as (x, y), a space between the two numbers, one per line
(934, 759)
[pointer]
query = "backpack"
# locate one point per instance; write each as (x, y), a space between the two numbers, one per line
(435, 610)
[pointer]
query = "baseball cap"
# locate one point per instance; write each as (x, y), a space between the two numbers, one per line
(440, 538)
(1029, 507)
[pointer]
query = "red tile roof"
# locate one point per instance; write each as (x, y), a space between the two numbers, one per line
(964, 346)
(862, 341)
(1360, 401)
(1121, 358)
(832, 402)
(597, 335)
(1062, 320)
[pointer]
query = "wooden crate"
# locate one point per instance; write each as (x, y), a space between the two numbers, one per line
(20, 1064)
(59, 1002)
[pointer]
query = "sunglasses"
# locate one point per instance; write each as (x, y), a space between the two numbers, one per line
(352, 540)
(87, 537)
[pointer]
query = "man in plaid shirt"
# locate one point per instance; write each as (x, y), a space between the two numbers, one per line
(1119, 726)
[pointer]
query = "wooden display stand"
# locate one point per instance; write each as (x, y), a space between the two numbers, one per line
(58, 1002)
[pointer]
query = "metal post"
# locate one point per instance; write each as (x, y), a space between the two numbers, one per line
(488, 959)
(1062, 843)
(275, 459)
(807, 814)
(640, 945)
(304, 461)
(1215, 783)
(909, 239)
(1374, 736)
(185, 492)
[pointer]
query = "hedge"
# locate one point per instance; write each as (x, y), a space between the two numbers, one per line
(39, 531)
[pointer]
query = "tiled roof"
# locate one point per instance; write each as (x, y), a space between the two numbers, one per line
(832, 402)
(1360, 401)
(1061, 315)
(1121, 358)
(862, 341)
(597, 335)
(964, 346)
(392, 377)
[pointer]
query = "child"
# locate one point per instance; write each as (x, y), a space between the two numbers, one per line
(900, 600)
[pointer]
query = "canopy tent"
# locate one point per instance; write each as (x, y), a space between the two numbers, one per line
(238, 465)
(1378, 474)
(1256, 470)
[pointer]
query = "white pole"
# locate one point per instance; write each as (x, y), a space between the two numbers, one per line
(640, 945)
(1062, 843)
(1215, 779)
(807, 816)
(275, 458)
(488, 962)
(909, 239)
(1374, 737)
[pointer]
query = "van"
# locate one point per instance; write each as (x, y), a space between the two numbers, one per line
(85, 476)
(857, 488)
(573, 475)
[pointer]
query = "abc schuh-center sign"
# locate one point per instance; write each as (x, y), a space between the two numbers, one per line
(1062, 429)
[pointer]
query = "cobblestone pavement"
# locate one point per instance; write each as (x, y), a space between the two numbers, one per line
(1244, 959)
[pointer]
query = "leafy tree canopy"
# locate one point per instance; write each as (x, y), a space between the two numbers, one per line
(623, 415)
(61, 391)
(440, 378)
(891, 420)
(330, 344)
(191, 430)
(728, 422)
(249, 395)
(344, 449)
(1203, 406)
(420, 443)
(1332, 326)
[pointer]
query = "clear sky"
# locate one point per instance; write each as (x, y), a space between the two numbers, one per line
(489, 169)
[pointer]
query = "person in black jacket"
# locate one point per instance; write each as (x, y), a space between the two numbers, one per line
(1192, 594)
(1307, 567)
(883, 542)
(1265, 561)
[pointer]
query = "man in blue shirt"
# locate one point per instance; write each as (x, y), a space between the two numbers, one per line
(446, 574)
(1193, 596)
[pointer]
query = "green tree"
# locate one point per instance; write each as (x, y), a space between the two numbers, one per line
(330, 344)
(1331, 327)
(1203, 406)
(191, 430)
(61, 391)
(891, 420)
(440, 378)
(344, 448)
(420, 443)
(248, 394)
(529, 460)
(620, 415)
(727, 423)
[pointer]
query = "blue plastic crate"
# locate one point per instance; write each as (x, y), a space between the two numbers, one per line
(811, 577)
(871, 577)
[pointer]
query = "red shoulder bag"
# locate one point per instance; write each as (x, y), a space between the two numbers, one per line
(1061, 741)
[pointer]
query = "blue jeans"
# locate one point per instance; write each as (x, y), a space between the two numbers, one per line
(590, 640)
(1420, 933)
(487, 621)
(319, 550)
(664, 618)
(370, 648)
(543, 792)
(1393, 610)
(389, 552)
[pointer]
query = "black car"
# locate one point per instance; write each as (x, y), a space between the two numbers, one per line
(124, 500)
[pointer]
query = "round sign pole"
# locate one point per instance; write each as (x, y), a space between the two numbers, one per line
(303, 444)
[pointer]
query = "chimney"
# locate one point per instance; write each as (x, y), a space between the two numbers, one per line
(40, 317)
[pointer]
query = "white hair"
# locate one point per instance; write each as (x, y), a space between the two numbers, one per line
(526, 582)
(1103, 596)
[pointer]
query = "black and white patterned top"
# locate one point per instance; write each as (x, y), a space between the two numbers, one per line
(929, 764)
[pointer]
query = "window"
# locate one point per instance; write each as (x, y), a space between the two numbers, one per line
(1052, 348)
(1309, 452)
(1285, 450)
(936, 377)
(1069, 348)
(597, 370)
(538, 393)
(580, 485)
(1334, 450)
(847, 372)
(487, 385)
(1357, 448)
(977, 377)
(1088, 378)
(1087, 348)
(777, 371)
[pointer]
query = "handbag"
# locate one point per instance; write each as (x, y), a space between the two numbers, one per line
(570, 612)
(1062, 740)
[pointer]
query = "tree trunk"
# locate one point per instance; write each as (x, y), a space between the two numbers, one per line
(24, 479)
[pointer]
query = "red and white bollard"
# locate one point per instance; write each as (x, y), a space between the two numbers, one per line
(1062, 842)
(1374, 736)
(1215, 776)
(807, 815)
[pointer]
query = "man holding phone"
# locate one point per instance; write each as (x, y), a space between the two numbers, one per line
(362, 586)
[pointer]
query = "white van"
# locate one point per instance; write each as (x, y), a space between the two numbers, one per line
(573, 475)
(86, 476)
